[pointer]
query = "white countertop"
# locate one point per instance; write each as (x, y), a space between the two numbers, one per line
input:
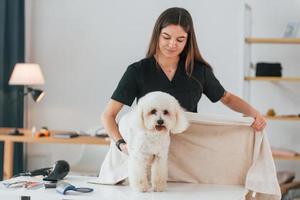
(175, 191)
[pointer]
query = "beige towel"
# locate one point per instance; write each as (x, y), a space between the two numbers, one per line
(215, 150)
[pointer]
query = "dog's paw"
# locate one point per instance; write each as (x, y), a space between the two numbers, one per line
(141, 186)
(159, 186)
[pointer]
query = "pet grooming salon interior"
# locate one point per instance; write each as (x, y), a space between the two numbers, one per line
(61, 61)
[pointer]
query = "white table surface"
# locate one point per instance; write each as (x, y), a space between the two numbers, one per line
(175, 191)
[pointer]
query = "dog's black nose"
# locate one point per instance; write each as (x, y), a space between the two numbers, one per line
(160, 122)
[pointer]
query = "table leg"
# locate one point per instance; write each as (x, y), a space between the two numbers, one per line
(8, 159)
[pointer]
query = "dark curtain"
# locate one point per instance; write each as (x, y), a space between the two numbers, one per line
(11, 51)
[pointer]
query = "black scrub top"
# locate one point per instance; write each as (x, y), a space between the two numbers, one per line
(146, 76)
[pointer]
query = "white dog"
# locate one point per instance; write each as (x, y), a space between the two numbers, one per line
(147, 130)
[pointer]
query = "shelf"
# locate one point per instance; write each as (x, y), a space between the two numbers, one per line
(273, 40)
(286, 157)
(270, 78)
(283, 118)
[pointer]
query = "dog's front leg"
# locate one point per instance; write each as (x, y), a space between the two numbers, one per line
(159, 173)
(137, 168)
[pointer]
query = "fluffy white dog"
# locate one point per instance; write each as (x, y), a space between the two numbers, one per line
(146, 129)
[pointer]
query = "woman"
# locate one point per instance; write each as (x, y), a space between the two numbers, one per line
(173, 64)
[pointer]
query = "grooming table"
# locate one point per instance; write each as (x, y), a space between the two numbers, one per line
(175, 191)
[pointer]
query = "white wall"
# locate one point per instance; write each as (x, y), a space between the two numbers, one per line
(84, 46)
(269, 19)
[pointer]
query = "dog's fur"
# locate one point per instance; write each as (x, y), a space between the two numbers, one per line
(146, 129)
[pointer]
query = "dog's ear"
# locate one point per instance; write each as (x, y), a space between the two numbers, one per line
(182, 122)
(137, 118)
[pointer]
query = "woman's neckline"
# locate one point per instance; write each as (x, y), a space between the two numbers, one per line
(168, 72)
(167, 66)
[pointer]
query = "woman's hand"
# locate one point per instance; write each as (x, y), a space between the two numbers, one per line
(124, 148)
(259, 122)
(237, 104)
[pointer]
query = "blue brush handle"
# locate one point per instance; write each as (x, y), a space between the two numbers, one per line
(63, 187)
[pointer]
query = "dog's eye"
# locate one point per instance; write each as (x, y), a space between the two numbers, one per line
(153, 112)
(166, 112)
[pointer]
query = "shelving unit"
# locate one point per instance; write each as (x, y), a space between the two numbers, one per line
(249, 76)
(249, 41)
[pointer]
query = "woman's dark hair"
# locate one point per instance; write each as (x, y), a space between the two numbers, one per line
(181, 17)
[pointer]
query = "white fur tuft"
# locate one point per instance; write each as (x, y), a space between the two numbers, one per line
(182, 122)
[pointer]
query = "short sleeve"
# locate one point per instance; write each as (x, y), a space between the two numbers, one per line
(127, 89)
(212, 87)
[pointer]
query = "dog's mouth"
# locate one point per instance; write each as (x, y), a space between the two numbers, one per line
(160, 127)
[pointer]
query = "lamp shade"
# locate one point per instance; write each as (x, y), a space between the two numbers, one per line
(27, 74)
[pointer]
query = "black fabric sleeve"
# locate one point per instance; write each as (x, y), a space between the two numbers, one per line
(212, 87)
(127, 88)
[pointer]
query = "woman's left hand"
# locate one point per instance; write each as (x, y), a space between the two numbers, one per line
(259, 122)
